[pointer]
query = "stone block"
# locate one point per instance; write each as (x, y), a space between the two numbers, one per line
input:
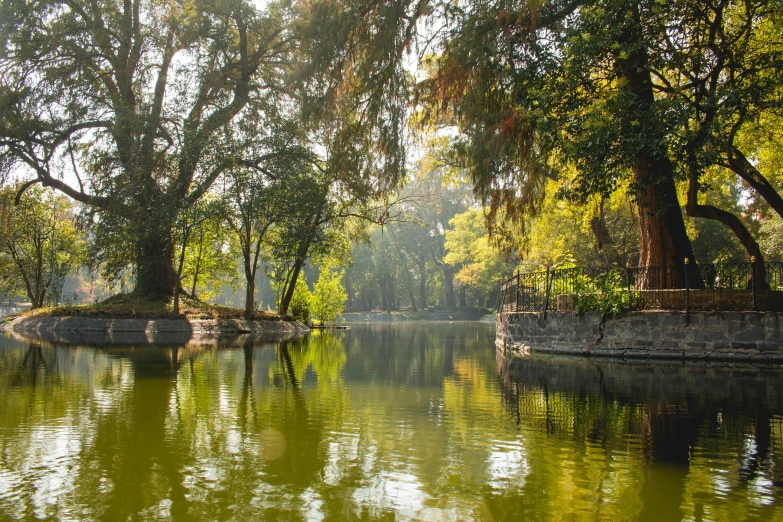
(744, 346)
(749, 334)
(675, 334)
(697, 335)
(672, 319)
(715, 334)
(770, 347)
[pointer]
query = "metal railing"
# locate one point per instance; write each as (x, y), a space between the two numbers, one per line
(723, 286)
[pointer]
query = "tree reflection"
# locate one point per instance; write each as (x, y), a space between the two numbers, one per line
(679, 420)
(413, 422)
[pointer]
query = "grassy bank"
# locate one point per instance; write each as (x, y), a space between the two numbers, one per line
(129, 306)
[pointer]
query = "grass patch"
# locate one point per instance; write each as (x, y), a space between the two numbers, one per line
(130, 306)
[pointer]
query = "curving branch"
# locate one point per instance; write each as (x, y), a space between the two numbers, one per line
(739, 164)
(694, 209)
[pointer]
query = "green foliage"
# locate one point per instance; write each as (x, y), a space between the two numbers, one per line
(210, 260)
(469, 249)
(606, 294)
(567, 231)
(300, 302)
(328, 297)
(772, 242)
(39, 243)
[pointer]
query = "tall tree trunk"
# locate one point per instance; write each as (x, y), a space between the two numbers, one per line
(422, 286)
(198, 266)
(664, 242)
(349, 292)
(448, 283)
(462, 301)
(155, 274)
(384, 296)
(492, 297)
(250, 294)
(180, 265)
(289, 291)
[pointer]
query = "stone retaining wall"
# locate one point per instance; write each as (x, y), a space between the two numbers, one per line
(152, 330)
(704, 335)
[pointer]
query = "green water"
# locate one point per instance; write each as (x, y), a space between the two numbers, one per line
(383, 422)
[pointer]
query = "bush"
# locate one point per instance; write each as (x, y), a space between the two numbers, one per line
(300, 302)
(329, 296)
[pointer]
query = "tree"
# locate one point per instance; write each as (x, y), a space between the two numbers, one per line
(133, 101)
(272, 191)
(303, 232)
(327, 300)
(534, 91)
(252, 204)
(202, 248)
(445, 192)
(40, 238)
(721, 72)
(468, 248)
(210, 259)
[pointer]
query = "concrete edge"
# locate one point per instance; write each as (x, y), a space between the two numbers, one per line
(522, 349)
(32, 325)
(509, 346)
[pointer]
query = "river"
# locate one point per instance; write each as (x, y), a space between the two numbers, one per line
(381, 422)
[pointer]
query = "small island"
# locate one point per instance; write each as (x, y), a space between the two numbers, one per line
(129, 314)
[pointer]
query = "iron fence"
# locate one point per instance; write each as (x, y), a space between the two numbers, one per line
(722, 286)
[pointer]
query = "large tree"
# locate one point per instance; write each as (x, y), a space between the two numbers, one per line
(121, 106)
(595, 93)
(134, 93)
(719, 67)
(543, 90)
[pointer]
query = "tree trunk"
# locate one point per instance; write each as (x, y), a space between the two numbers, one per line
(384, 296)
(289, 291)
(462, 302)
(349, 293)
(155, 274)
(198, 268)
(412, 298)
(448, 283)
(492, 298)
(250, 293)
(422, 286)
(663, 240)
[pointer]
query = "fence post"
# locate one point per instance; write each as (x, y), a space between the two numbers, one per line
(546, 296)
(516, 301)
(753, 278)
(687, 293)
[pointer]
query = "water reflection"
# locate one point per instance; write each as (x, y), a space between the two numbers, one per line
(392, 421)
(706, 439)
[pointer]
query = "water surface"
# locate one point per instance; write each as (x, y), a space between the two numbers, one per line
(382, 422)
